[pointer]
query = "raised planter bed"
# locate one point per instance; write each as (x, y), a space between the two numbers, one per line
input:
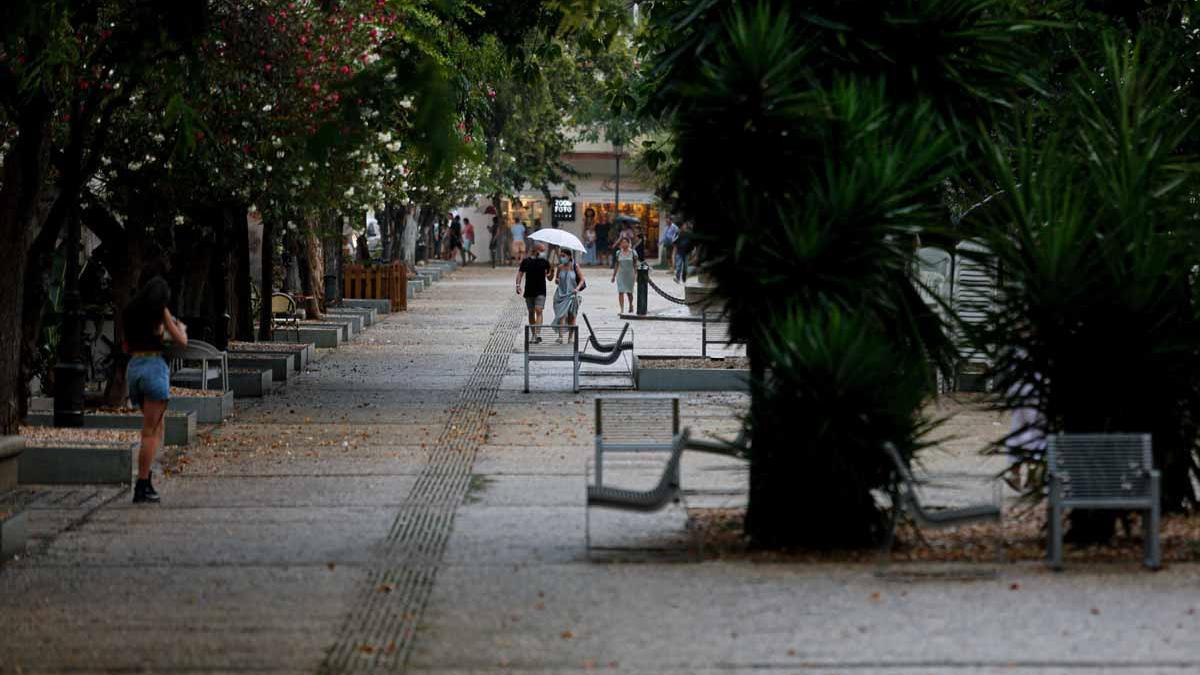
(369, 316)
(180, 426)
(280, 365)
(11, 448)
(692, 373)
(323, 338)
(73, 456)
(355, 321)
(381, 306)
(210, 407)
(250, 382)
(345, 328)
(300, 353)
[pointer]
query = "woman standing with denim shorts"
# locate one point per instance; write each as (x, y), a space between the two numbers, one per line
(148, 376)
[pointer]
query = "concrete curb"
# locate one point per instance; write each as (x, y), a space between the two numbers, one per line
(318, 337)
(11, 448)
(380, 306)
(692, 379)
(279, 364)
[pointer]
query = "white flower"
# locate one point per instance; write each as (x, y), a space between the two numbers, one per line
(350, 192)
(249, 166)
(254, 208)
(178, 220)
(267, 108)
(406, 102)
(385, 137)
(134, 166)
(269, 168)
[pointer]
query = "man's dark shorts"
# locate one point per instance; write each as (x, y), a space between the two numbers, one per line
(536, 302)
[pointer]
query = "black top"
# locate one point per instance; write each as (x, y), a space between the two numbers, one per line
(602, 232)
(683, 242)
(535, 276)
(143, 329)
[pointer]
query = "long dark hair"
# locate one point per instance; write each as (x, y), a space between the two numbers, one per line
(144, 312)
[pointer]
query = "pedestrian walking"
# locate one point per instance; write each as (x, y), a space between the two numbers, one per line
(468, 242)
(535, 271)
(683, 246)
(454, 239)
(602, 243)
(666, 244)
(589, 243)
(494, 237)
(438, 235)
(566, 295)
(625, 262)
(517, 232)
(145, 320)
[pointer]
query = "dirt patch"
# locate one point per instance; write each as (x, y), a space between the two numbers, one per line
(182, 392)
(45, 436)
(269, 347)
(728, 363)
(1023, 532)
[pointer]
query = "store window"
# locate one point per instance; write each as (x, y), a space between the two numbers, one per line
(647, 216)
(532, 211)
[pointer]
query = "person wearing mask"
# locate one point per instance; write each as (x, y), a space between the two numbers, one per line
(517, 232)
(534, 271)
(566, 295)
(145, 320)
(468, 242)
(683, 246)
(625, 261)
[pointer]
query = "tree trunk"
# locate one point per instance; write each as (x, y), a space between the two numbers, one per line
(24, 177)
(243, 308)
(265, 331)
(304, 266)
(385, 224)
(331, 250)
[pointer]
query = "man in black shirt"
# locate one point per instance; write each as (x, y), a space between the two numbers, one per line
(538, 270)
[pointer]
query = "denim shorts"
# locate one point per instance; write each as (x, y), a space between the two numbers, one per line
(149, 379)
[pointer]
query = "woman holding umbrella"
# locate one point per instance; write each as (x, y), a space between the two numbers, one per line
(566, 295)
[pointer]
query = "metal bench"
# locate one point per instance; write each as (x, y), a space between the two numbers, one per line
(1103, 471)
(906, 496)
(284, 312)
(198, 351)
(605, 347)
(557, 343)
(714, 330)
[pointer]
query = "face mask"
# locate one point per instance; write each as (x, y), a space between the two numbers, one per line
(563, 261)
(541, 254)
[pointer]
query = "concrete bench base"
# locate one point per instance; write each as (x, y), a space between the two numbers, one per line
(13, 532)
(180, 426)
(299, 353)
(208, 409)
(691, 379)
(251, 383)
(346, 324)
(67, 465)
(380, 306)
(280, 365)
(11, 448)
(322, 338)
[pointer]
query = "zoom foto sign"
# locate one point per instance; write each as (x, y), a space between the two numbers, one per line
(564, 210)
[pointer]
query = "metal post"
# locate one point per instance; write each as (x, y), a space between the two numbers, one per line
(69, 373)
(643, 290)
(330, 289)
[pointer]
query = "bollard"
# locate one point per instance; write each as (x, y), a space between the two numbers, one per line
(331, 289)
(643, 282)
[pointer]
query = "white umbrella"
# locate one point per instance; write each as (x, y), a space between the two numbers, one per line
(559, 238)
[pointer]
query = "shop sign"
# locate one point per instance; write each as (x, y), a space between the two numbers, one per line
(564, 210)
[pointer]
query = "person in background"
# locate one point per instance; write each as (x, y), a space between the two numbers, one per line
(589, 243)
(624, 263)
(468, 242)
(566, 295)
(666, 244)
(517, 232)
(602, 243)
(494, 240)
(639, 243)
(534, 270)
(683, 246)
(537, 225)
(438, 235)
(454, 239)
(145, 320)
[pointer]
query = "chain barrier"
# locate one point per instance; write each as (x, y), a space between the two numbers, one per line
(668, 296)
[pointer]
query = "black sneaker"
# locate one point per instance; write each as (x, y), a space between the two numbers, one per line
(144, 492)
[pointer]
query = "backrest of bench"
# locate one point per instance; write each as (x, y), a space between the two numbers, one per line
(633, 423)
(1101, 466)
(282, 303)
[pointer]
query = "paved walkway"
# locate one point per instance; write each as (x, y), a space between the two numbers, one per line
(405, 507)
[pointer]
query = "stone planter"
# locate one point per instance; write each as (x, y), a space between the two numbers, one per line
(180, 426)
(650, 378)
(54, 463)
(280, 365)
(380, 306)
(323, 338)
(11, 448)
(344, 327)
(300, 353)
(250, 382)
(208, 409)
(369, 316)
(355, 321)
